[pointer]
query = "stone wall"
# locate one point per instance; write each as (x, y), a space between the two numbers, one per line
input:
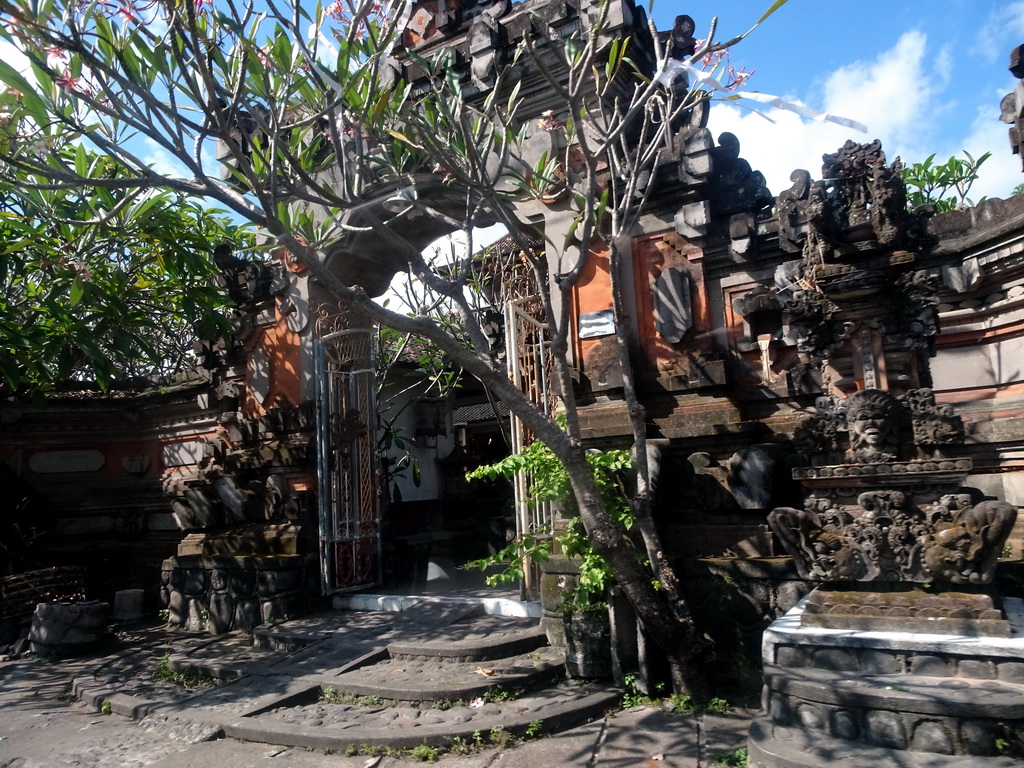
(220, 593)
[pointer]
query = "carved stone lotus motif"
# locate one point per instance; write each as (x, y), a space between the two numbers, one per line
(887, 539)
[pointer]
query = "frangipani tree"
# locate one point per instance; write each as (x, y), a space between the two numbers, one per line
(103, 284)
(331, 152)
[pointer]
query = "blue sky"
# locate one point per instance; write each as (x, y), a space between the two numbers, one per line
(923, 76)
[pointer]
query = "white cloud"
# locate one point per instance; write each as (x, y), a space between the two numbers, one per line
(12, 55)
(901, 97)
(163, 162)
(1001, 172)
(1004, 27)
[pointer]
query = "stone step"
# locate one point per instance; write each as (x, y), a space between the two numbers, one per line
(438, 680)
(497, 606)
(340, 727)
(774, 746)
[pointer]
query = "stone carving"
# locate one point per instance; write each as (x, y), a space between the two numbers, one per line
(673, 304)
(1011, 108)
(735, 187)
(881, 427)
(872, 417)
(860, 206)
(935, 425)
(888, 539)
(791, 209)
(682, 43)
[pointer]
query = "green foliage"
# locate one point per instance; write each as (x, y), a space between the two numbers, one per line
(676, 703)
(549, 482)
(944, 186)
(533, 730)
(499, 694)
(105, 707)
(735, 759)
(186, 679)
(424, 754)
(103, 285)
(330, 695)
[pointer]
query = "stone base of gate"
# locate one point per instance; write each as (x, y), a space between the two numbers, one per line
(889, 699)
(220, 593)
(249, 539)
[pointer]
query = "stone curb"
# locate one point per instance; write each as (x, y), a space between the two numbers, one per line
(523, 642)
(557, 718)
(437, 692)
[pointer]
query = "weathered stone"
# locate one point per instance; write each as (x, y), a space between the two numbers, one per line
(246, 614)
(243, 582)
(836, 659)
(222, 612)
(876, 662)
(275, 582)
(932, 736)
(68, 628)
(812, 716)
(197, 617)
(844, 725)
(792, 656)
(779, 708)
(53, 462)
(980, 669)
(182, 453)
(281, 606)
(194, 581)
(978, 737)
(931, 666)
(885, 729)
(129, 604)
(177, 609)
(1011, 672)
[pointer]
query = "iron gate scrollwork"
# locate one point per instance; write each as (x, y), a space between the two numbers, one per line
(349, 510)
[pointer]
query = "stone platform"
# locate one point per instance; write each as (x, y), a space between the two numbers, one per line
(890, 699)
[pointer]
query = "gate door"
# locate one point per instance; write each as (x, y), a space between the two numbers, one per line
(529, 353)
(349, 512)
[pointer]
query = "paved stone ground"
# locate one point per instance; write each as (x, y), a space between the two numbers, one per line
(44, 725)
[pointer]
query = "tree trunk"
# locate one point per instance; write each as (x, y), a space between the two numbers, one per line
(668, 622)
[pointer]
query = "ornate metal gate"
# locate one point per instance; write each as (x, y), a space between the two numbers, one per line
(350, 556)
(528, 350)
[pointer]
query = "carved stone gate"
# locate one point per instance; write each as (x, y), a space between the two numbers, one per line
(349, 510)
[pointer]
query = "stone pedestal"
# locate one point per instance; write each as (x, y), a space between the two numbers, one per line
(68, 628)
(129, 605)
(889, 699)
(219, 593)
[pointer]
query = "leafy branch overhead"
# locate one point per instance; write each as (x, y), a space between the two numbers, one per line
(945, 186)
(104, 284)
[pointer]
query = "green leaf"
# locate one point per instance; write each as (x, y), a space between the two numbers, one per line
(31, 100)
(77, 291)
(772, 9)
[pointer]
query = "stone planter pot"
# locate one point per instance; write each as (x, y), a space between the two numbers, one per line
(68, 628)
(588, 644)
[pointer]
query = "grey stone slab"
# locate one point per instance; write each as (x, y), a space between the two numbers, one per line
(788, 630)
(571, 749)
(723, 734)
(636, 736)
(182, 454)
(53, 462)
